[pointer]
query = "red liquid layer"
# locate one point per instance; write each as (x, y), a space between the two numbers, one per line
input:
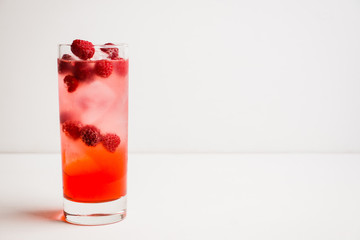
(97, 176)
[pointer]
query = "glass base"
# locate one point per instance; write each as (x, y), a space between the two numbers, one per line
(95, 213)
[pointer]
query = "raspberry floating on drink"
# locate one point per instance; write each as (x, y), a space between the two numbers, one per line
(103, 68)
(110, 141)
(67, 57)
(82, 49)
(71, 83)
(72, 129)
(90, 135)
(113, 53)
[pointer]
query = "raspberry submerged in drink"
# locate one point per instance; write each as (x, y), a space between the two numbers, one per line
(93, 101)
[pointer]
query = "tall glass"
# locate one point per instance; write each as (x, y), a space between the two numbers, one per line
(93, 104)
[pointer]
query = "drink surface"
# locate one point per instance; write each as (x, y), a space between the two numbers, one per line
(94, 125)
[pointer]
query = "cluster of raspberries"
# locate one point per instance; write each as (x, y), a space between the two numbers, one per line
(82, 70)
(90, 135)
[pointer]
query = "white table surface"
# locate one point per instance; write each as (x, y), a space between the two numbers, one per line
(195, 196)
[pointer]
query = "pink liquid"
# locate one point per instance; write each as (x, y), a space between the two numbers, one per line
(93, 173)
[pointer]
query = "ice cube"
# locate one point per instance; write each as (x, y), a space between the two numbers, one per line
(93, 100)
(99, 55)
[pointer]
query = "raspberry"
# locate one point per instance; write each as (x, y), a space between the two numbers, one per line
(83, 71)
(67, 57)
(112, 52)
(103, 68)
(64, 65)
(72, 128)
(110, 141)
(82, 49)
(71, 83)
(122, 66)
(90, 135)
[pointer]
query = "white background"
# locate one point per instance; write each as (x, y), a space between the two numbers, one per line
(205, 76)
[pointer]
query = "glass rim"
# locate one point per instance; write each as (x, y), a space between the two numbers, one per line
(97, 45)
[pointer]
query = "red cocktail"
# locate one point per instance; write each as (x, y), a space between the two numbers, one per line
(93, 100)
